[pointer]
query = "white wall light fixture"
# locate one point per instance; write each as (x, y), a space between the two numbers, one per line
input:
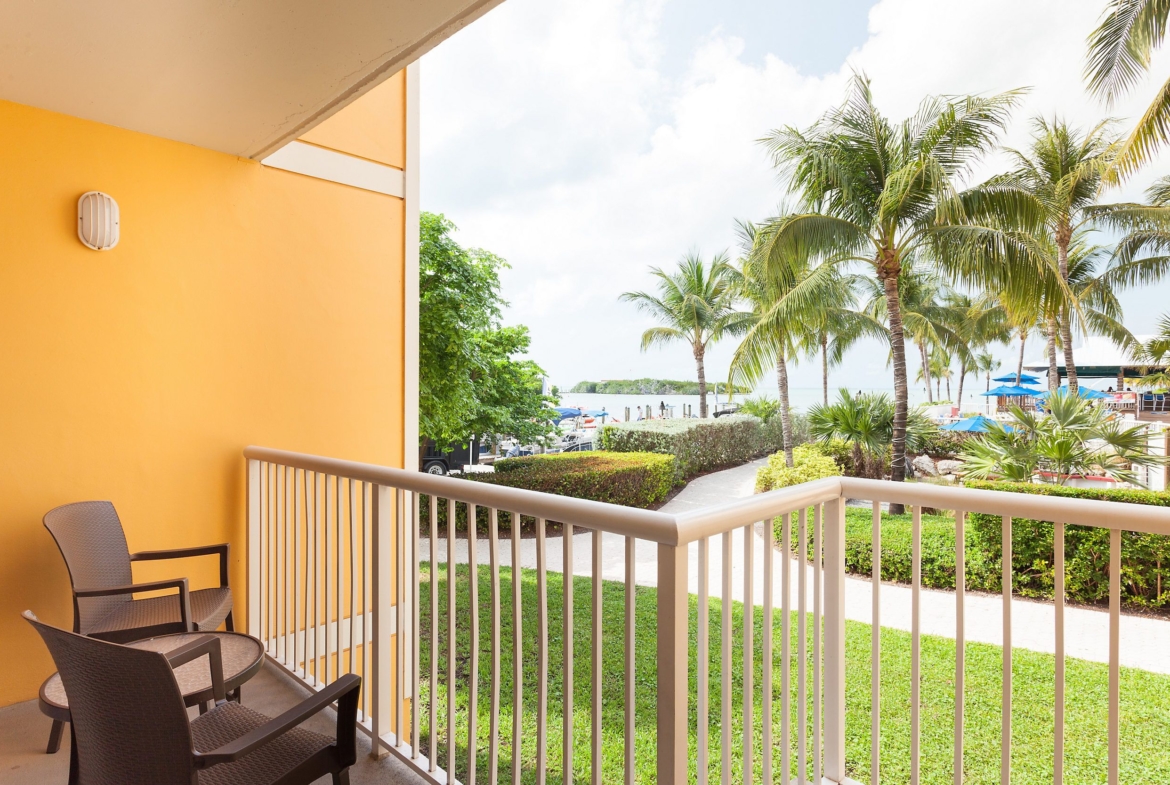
(97, 221)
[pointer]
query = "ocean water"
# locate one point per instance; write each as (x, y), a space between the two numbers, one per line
(801, 398)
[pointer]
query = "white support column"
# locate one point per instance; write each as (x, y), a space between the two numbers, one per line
(673, 663)
(254, 587)
(411, 293)
(834, 674)
(381, 679)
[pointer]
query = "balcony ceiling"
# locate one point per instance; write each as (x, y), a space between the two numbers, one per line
(239, 77)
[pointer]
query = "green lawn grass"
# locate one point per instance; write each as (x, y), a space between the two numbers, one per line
(1145, 697)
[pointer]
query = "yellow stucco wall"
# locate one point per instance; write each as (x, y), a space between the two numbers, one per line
(366, 128)
(243, 305)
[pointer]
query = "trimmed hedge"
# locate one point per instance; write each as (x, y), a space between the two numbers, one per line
(698, 445)
(629, 479)
(1086, 550)
(809, 462)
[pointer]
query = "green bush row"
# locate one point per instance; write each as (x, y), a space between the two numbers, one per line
(1086, 550)
(629, 479)
(809, 462)
(697, 445)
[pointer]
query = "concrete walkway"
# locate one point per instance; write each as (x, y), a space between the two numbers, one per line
(1145, 642)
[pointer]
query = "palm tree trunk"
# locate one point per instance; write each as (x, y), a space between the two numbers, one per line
(1020, 364)
(699, 352)
(901, 388)
(1053, 371)
(1070, 368)
(949, 398)
(785, 413)
(825, 367)
(962, 378)
(925, 371)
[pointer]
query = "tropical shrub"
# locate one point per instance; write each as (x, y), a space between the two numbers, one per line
(698, 445)
(942, 444)
(866, 422)
(1074, 437)
(808, 463)
(1086, 550)
(634, 479)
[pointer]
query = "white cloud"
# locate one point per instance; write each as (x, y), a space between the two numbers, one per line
(553, 135)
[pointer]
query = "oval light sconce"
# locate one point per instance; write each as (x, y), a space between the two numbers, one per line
(97, 221)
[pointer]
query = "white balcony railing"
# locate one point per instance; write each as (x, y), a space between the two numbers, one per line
(338, 583)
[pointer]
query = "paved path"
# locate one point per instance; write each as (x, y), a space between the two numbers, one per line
(1145, 642)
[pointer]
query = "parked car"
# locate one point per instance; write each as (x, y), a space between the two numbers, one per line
(454, 458)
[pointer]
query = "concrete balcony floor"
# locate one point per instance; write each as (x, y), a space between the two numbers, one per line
(24, 731)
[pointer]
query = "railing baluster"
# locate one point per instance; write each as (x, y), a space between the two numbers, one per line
(255, 546)
(915, 643)
(1114, 655)
(296, 625)
(399, 612)
(381, 533)
(1005, 732)
(875, 652)
(725, 661)
(1058, 596)
(702, 663)
(308, 506)
(786, 649)
(451, 745)
(595, 703)
(473, 687)
(432, 547)
(766, 654)
(517, 654)
(542, 664)
(960, 640)
(320, 609)
(353, 575)
(567, 731)
(802, 651)
(281, 563)
(494, 724)
(368, 592)
(415, 613)
(338, 575)
(748, 653)
(817, 534)
(265, 539)
(630, 705)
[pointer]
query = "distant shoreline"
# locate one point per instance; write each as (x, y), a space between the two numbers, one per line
(650, 387)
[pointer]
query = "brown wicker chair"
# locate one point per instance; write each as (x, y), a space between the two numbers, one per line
(130, 726)
(90, 537)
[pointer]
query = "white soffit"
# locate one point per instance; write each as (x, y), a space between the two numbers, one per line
(324, 164)
(239, 77)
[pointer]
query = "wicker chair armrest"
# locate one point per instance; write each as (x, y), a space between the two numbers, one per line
(345, 691)
(220, 549)
(172, 583)
(207, 645)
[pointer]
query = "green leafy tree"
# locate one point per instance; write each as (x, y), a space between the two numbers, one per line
(693, 305)
(470, 380)
(1074, 437)
(880, 194)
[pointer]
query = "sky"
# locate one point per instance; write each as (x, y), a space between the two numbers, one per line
(588, 142)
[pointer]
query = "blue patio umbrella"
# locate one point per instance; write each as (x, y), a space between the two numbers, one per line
(1011, 377)
(1010, 391)
(1084, 392)
(565, 412)
(975, 424)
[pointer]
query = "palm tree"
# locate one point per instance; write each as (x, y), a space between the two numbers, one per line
(976, 324)
(866, 423)
(1119, 54)
(771, 330)
(880, 194)
(693, 305)
(986, 364)
(1062, 171)
(836, 327)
